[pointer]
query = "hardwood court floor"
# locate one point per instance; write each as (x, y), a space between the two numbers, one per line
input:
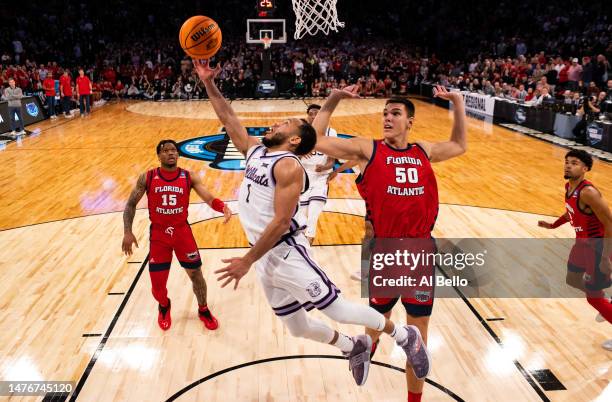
(60, 215)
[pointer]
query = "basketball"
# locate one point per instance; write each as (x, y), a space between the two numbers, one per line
(200, 37)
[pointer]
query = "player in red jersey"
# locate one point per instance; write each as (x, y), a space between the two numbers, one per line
(399, 187)
(588, 266)
(83, 92)
(168, 188)
(66, 93)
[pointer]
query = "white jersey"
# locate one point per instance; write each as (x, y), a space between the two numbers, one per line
(256, 198)
(318, 158)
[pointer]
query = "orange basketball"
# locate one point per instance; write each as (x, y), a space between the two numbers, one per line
(200, 37)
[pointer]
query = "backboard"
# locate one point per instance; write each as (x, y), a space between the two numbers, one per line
(258, 28)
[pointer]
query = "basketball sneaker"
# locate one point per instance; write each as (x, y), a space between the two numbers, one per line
(208, 319)
(359, 358)
(163, 318)
(416, 351)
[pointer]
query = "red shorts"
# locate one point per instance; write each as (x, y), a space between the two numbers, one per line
(413, 306)
(585, 258)
(166, 239)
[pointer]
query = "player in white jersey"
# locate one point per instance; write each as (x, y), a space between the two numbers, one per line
(292, 282)
(318, 167)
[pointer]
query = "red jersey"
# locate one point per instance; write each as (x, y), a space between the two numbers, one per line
(84, 85)
(65, 85)
(400, 191)
(586, 225)
(49, 86)
(168, 196)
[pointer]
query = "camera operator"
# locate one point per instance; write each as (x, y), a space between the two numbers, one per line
(587, 110)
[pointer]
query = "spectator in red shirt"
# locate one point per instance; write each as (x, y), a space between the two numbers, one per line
(120, 89)
(66, 93)
(109, 74)
(563, 77)
(96, 91)
(84, 88)
(49, 88)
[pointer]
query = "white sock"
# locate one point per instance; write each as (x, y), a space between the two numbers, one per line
(399, 333)
(344, 343)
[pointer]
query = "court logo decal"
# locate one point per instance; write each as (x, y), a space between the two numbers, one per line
(219, 151)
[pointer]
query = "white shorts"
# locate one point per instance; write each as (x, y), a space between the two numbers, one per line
(291, 279)
(317, 191)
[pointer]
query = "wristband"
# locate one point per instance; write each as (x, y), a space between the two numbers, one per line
(562, 220)
(217, 205)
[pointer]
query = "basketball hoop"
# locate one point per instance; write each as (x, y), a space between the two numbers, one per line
(312, 16)
(267, 42)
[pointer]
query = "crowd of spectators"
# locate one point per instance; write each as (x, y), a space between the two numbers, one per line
(536, 79)
(562, 51)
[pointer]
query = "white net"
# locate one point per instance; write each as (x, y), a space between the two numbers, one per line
(267, 42)
(313, 16)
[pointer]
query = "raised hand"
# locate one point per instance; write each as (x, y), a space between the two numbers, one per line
(204, 71)
(351, 91)
(442, 93)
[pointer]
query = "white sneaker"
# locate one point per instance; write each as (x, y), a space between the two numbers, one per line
(54, 117)
(69, 116)
(607, 345)
(600, 318)
(13, 133)
(22, 132)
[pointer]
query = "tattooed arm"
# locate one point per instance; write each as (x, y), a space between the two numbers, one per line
(128, 215)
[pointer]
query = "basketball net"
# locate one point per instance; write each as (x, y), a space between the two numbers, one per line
(313, 16)
(267, 42)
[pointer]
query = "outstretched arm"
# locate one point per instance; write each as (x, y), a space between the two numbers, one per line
(457, 144)
(339, 148)
(563, 219)
(224, 111)
(289, 177)
(208, 198)
(130, 212)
